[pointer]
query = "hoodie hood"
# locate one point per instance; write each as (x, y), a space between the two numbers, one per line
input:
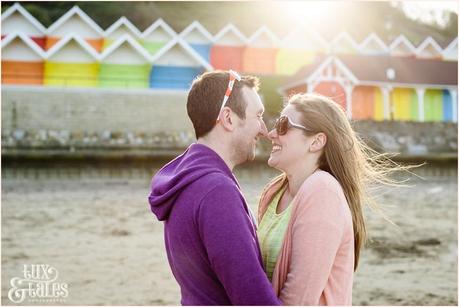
(197, 161)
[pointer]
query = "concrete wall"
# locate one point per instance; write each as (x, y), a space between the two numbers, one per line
(93, 110)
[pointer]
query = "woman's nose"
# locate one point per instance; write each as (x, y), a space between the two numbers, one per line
(272, 134)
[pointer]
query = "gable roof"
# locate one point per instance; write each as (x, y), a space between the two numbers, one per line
(264, 30)
(66, 39)
(429, 41)
(451, 46)
(402, 40)
(376, 39)
(119, 23)
(129, 40)
(227, 29)
(347, 38)
(373, 69)
(75, 11)
(196, 25)
(186, 47)
(18, 8)
(160, 23)
(27, 40)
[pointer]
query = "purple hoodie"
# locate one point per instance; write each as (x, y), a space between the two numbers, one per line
(209, 232)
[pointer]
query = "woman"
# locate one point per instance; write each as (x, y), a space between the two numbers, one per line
(311, 224)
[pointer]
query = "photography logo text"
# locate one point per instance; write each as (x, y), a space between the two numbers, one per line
(39, 284)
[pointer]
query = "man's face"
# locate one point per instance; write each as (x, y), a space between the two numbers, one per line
(251, 128)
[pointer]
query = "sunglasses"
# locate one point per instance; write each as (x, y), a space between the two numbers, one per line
(233, 77)
(284, 123)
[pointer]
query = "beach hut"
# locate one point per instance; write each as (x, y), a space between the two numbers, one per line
(198, 38)
(228, 49)
(176, 65)
(22, 60)
(372, 44)
(75, 21)
(382, 87)
(71, 62)
(259, 56)
(429, 48)
(343, 43)
(17, 20)
(121, 27)
(156, 36)
(298, 49)
(125, 64)
(450, 52)
(401, 46)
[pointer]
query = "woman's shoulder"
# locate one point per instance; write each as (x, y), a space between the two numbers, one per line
(321, 179)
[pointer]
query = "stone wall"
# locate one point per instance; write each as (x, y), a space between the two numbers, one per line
(99, 122)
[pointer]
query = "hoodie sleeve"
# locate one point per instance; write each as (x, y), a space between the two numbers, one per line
(231, 244)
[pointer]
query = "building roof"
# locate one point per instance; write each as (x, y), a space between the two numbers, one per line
(27, 40)
(66, 39)
(129, 40)
(122, 21)
(179, 41)
(75, 11)
(264, 30)
(18, 8)
(227, 29)
(195, 25)
(374, 69)
(160, 23)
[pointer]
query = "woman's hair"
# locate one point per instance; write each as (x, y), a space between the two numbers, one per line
(346, 157)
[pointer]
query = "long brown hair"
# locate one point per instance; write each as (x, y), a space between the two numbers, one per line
(346, 157)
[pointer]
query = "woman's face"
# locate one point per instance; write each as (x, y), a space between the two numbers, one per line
(291, 149)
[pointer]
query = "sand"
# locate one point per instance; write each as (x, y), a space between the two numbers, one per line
(96, 229)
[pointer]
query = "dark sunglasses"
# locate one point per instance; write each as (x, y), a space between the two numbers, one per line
(284, 123)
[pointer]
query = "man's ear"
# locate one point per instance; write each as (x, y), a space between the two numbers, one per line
(318, 142)
(226, 119)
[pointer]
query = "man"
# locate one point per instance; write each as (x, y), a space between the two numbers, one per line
(209, 231)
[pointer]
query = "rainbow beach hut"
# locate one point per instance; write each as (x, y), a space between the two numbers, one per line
(125, 64)
(176, 65)
(72, 62)
(22, 60)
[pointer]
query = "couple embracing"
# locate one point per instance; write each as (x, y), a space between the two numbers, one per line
(303, 247)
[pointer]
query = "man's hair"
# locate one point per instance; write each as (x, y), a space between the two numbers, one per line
(206, 96)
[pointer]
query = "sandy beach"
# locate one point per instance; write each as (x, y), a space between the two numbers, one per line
(97, 230)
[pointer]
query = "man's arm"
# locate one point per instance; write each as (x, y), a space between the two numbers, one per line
(230, 240)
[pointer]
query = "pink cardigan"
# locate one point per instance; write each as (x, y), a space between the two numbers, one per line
(316, 261)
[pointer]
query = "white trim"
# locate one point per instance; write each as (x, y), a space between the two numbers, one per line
(333, 60)
(420, 91)
(187, 48)
(347, 38)
(75, 10)
(17, 7)
(119, 23)
(348, 89)
(160, 23)
(401, 39)
(429, 41)
(373, 38)
(230, 28)
(128, 39)
(62, 42)
(264, 29)
(450, 47)
(27, 40)
(195, 25)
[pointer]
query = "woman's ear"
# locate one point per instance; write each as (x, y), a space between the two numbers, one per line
(318, 142)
